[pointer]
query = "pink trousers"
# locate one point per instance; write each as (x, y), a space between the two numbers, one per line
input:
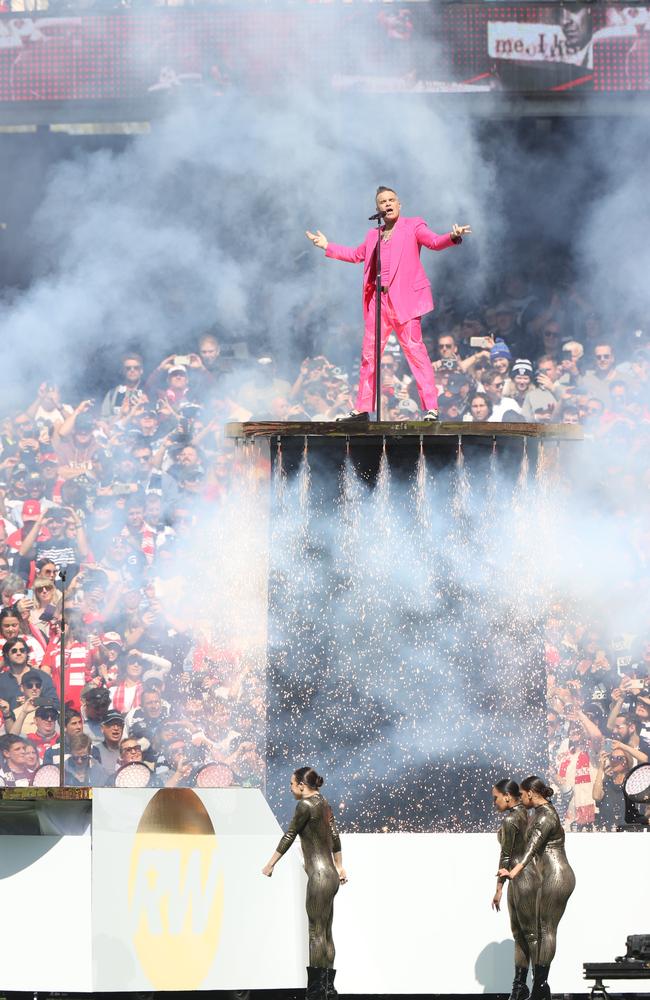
(409, 335)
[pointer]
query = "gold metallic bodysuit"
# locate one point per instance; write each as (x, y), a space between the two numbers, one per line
(522, 891)
(314, 823)
(545, 846)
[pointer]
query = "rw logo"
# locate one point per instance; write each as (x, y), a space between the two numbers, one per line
(176, 890)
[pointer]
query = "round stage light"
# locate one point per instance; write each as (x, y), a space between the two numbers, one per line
(214, 776)
(135, 775)
(637, 784)
(46, 776)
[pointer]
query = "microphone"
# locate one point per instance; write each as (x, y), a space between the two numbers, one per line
(376, 216)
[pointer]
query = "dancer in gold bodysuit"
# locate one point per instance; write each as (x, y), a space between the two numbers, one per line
(545, 848)
(314, 823)
(522, 894)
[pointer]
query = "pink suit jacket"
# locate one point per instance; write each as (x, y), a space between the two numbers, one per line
(409, 288)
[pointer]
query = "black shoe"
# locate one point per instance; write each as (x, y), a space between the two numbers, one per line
(519, 989)
(331, 990)
(316, 983)
(541, 989)
(353, 417)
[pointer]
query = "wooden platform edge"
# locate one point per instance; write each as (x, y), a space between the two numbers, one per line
(270, 429)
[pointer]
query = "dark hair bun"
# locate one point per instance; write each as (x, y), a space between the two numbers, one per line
(548, 792)
(308, 776)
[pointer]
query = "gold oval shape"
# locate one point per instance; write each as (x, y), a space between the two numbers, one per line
(176, 890)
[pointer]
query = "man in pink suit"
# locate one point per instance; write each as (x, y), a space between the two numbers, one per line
(406, 295)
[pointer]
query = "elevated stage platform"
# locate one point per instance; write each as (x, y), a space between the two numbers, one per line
(406, 428)
(441, 442)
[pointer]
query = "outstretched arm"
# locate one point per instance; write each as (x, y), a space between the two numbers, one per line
(353, 255)
(427, 238)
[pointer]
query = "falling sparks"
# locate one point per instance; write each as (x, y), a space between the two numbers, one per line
(407, 662)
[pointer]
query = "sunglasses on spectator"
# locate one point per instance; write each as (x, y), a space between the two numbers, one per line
(47, 586)
(132, 367)
(32, 684)
(133, 749)
(603, 357)
(19, 649)
(50, 717)
(80, 756)
(618, 760)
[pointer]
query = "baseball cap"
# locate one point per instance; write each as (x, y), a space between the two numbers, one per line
(31, 510)
(504, 307)
(31, 675)
(48, 457)
(112, 639)
(177, 368)
(44, 711)
(96, 694)
(111, 717)
(56, 514)
(456, 382)
(84, 422)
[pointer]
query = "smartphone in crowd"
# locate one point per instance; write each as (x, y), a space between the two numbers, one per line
(181, 359)
(481, 342)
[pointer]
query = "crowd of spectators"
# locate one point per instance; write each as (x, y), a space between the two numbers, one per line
(101, 498)
(103, 502)
(598, 718)
(521, 359)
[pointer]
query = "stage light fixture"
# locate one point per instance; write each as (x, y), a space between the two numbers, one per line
(636, 789)
(134, 775)
(214, 775)
(46, 776)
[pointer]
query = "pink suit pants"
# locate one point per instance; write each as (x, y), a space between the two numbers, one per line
(409, 335)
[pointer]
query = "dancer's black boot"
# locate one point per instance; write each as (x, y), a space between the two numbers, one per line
(519, 989)
(541, 989)
(316, 983)
(331, 989)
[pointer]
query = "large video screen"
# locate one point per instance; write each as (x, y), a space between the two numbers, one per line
(415, 48)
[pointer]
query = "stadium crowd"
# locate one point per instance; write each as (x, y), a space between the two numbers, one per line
(106, 497)
(106, 501)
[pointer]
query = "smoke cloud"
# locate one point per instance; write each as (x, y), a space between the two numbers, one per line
(201, 223)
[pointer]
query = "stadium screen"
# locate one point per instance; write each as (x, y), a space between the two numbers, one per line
(370, 48)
